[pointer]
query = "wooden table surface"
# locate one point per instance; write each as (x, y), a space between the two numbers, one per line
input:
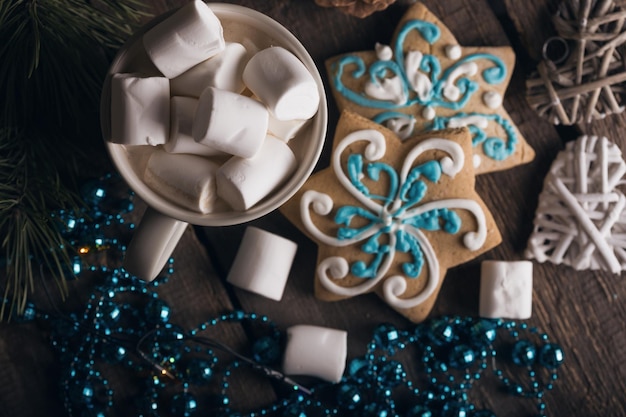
(582, 311)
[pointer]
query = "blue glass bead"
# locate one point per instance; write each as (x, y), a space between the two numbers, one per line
(419, 411)
(184, 404)
(82, 392)
(516, 389)
(266, 350)
(386, 336)
(199, 371)
(391, 374)
(454, 409)
(148, 406)
(111, 311)
(358, 369)
(125, 205)
(523, 353)
(349, 396)
(113, 353)
(483, 332)
(93, 192)
(29, 313)
(441, 332)
(551, 355)
(157, 311)
(461, 356)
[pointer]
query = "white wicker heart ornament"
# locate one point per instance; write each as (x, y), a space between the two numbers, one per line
(580, 220)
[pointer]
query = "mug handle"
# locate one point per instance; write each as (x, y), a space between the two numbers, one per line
(152, 244)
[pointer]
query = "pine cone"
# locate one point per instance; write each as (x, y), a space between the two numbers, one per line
(358, 8)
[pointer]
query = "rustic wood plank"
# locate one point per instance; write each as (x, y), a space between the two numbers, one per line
(583, 310)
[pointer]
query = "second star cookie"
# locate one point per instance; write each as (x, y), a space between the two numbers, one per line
(392, 216)
(424, 80)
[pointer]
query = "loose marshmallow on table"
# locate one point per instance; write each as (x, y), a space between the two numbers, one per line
(140, 110)
(281, 81)
(230, 122)
(315, 351)
(262, 263)
(223, 71)
(182, 110)
(188, 180)
(506, 289)
(243, 182)
(186, 38)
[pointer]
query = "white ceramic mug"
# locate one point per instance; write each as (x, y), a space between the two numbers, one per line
(164, 221)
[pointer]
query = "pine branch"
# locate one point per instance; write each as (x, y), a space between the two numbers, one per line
(53, 59)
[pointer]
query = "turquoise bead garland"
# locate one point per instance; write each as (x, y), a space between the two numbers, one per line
(126, 325)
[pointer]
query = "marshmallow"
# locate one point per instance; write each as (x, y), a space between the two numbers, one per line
(285, 130)
(230, 122)
(140, 110)
(262, 263)
(183, 40)
(243, 182)
(182, 110)
(315, 351)
(506, 289)
(223, 71)
(283, 83)
(188, 180)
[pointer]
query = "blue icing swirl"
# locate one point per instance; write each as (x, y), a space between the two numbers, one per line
(494, 147)
(392, 220)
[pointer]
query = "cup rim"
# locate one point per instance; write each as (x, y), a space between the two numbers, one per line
(318, 126)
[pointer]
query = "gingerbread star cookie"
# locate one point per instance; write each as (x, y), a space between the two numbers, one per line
(424, 81)
(581, 216)
(392, 216)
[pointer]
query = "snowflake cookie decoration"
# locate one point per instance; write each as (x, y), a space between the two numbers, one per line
(392, 216)
(424, 81)
(580, 220)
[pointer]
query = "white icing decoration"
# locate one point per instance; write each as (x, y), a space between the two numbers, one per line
(477, 160)
(322, 204)
(402, 126)
(428, 113)
(395, 286)
(388, 89)
(419, 81)
(374, 151)
(472, 240)
(581, 217)
(476, 120)
(334, 269)
(453, 51)
(492, 99)
(450, 90)
(383, 52)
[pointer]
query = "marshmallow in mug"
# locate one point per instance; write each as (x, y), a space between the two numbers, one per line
(182, 110)
(140, 109)
(230, 122)
(262, 263)
(285, 129)
(188, 180)
(243, 182)
(223, 71)
(281, 81)
(186, 38)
